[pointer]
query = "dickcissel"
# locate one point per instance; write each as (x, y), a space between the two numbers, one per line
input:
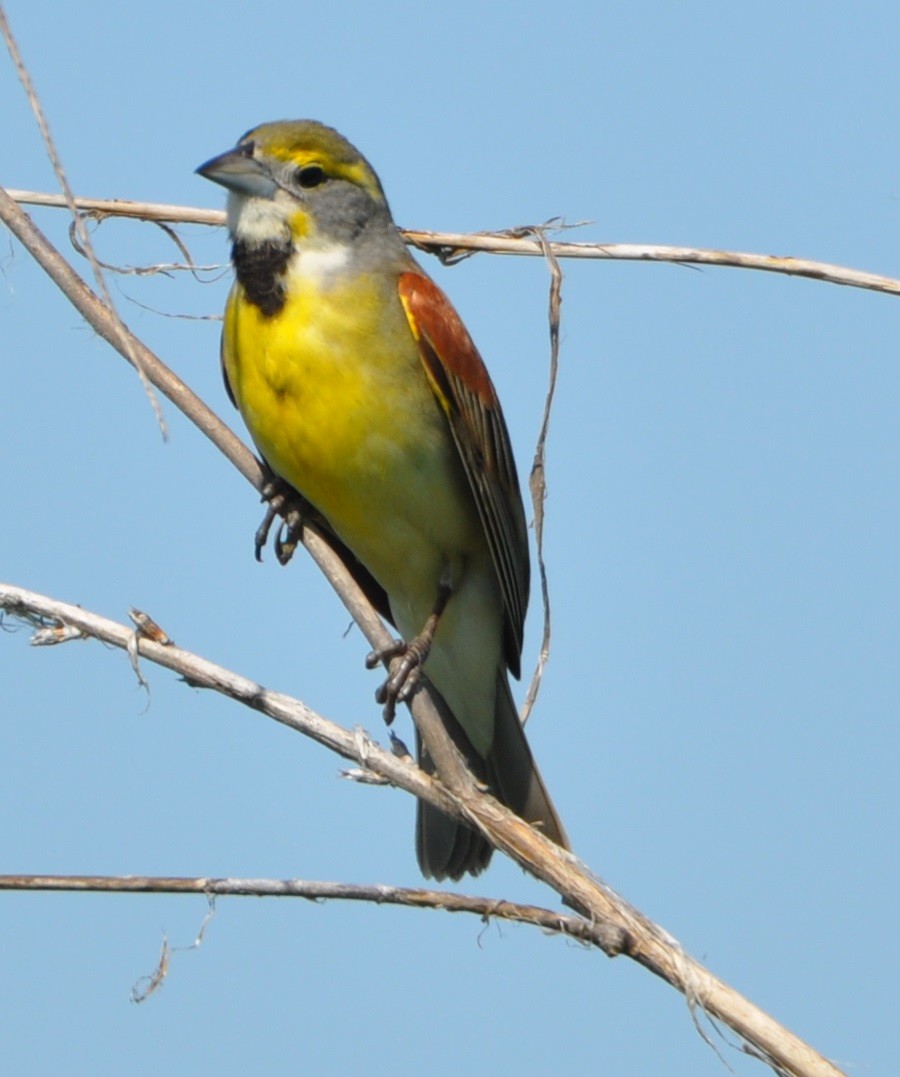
(363, 390)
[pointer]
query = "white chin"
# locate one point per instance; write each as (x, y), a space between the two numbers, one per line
(254, 219)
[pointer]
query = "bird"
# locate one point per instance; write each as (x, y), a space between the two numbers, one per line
(364, 392)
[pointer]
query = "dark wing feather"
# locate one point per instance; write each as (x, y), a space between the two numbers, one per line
(463, 387)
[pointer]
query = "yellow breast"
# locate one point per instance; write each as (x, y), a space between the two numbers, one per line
(335, 396)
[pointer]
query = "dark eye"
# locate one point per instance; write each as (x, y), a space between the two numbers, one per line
(309, 176)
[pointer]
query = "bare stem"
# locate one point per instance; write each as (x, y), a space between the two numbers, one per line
(313, 890)
(451, 244)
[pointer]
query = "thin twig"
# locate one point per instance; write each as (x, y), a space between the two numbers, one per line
(43, 613)
(411, 897)
(99, 208)
(537, 481)
(504, 243)
(69, 199)
(156, 269)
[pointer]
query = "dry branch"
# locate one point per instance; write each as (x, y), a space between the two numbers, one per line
(624, 929)
(548, 920)
(514, 241)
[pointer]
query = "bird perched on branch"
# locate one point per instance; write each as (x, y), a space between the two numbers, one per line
(363, 390)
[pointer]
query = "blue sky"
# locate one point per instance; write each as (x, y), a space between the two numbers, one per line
(718, 725)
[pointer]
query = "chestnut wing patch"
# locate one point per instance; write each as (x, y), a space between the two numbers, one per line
(464, 389)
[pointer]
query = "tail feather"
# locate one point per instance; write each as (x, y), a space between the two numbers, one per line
(448, 848)
(445, 847)
(513, 776)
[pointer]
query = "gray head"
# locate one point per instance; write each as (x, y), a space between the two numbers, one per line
(298, 181)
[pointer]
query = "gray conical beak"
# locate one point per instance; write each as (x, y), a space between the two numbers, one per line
(240, 173)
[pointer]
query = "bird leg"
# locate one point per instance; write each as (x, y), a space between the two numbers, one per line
(412, 654)
(283, 500)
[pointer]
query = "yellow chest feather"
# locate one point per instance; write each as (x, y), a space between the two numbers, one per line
(335, 396)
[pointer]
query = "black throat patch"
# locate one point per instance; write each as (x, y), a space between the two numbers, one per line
(260, 270)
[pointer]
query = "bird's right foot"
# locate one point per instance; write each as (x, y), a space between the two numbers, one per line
(283, 500)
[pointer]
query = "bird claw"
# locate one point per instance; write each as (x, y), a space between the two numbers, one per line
(403, 677)
(289, 534)
(283, 500)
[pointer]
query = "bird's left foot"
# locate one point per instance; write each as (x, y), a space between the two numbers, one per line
(282, 500)
(404, 677)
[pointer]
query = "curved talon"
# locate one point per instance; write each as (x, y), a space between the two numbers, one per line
(279, 494)
(289, 534)
(262, 532)
(385, 654)
(402, 680)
